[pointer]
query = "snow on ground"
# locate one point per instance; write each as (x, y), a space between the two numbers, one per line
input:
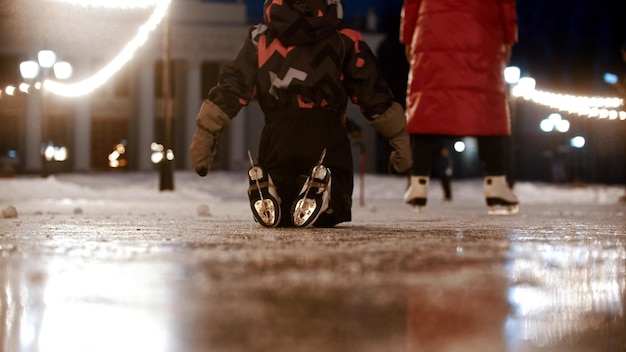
(226, 191)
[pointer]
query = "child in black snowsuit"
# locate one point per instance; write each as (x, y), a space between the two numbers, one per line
(302, 64)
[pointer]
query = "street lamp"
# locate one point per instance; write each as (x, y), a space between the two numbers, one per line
(578, 143)
(524, 88)
(32, 70)
(512, 75)
(555, 123)
(166, 170)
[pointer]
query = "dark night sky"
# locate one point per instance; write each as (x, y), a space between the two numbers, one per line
(569, 44)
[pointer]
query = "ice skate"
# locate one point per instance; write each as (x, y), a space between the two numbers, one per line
(417, 193)
(264, 200)
(500, 199)
(314, 196)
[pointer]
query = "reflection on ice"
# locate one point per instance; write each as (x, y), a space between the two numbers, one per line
(560, 291)
(73, 326)
(78, 306)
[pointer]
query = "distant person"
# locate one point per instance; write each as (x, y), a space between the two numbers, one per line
(457, 51)
(302, 64)
(445, 169)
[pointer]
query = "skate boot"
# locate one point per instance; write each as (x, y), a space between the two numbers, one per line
(264, 200)
(417, 193)
(314, 197)
(499, 197)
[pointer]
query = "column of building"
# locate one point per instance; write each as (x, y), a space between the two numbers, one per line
(192, 100)
(33, 132)
(82, 126)
(146, 110)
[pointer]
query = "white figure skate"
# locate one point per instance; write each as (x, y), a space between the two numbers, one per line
(499, 197)
(417, 193)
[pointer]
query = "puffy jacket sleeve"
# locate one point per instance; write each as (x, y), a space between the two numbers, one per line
(236, 84)
(508, 16)
(410, 10)
(363, 77)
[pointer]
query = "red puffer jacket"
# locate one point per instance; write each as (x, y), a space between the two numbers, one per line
(457, 58)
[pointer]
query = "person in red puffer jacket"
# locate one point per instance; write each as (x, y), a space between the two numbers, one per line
(457, 52)
(302, 64)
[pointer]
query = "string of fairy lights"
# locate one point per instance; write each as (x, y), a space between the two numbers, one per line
(115, 4)
(611, 108)
(98, 79)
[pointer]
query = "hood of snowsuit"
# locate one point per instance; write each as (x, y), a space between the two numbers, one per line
(301, 22)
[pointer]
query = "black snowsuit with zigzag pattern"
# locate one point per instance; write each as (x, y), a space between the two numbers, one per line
(302, 68)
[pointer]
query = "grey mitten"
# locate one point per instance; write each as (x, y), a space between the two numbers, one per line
(392, 125)
(210, 121)
(202, 150)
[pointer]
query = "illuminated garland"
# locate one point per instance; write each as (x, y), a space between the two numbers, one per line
(114, 4)
(101, 77)
(592, 107)
(90, 84)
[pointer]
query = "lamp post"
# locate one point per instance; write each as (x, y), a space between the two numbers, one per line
(512, 76)
(166, 170)
(578, 143)
(39, 72)
(556, 123)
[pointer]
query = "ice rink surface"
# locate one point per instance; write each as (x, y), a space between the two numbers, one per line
(106, 262)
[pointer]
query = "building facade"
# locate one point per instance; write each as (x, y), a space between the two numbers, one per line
(129, 109)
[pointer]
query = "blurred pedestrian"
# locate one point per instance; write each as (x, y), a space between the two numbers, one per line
(444, 167)
(302, 64)
(457, 53)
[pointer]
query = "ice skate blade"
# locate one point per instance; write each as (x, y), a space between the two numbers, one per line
(265, 212)
(503, 210)
(416, 203)
(305, 212)
(311, 203)
(314, 197)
